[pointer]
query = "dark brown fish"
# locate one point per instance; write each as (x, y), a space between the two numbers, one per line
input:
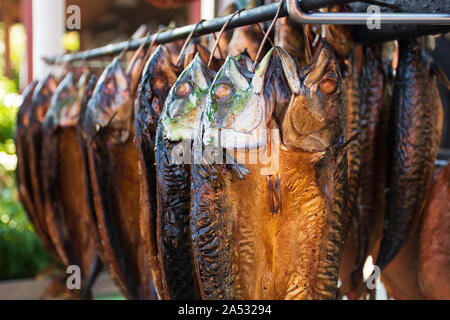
(113, 165)
(40, 104)
(434, 256)
(366, 190)
(25, 189)
(414, 134)
(158, 77)
(64, 187)
(89, 215)
(181, 114)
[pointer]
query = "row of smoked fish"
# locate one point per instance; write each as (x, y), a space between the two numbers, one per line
(353, 133)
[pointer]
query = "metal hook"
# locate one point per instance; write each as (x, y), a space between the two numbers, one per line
(220, 35)
(188, 40)
(267, 35)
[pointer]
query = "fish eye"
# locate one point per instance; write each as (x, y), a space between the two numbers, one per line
(159, 83)
(328, 86)
(183, 89)
(223, 92)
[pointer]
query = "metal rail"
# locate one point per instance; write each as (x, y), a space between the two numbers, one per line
(296, 13)
(294, 8)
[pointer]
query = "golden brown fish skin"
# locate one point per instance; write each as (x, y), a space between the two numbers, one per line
(40, 104)
(113, 163)
(158, 77)
(64, 187)
(434, 251)
(414, 135)
(313, 182)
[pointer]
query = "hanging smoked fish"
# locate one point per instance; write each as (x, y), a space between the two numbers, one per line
(89, 215)
(113, 165)
(414, 134)
(286, 243)
(40, 104)
(23, 173)
(158, 77)
(179, 118)
(63, 182)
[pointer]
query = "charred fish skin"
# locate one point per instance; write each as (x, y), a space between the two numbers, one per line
(157, 78)
(180, 116)
(40, 104)
(414, 134)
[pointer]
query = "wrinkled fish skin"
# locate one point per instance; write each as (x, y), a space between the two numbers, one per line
(180, 116)
(414, 136)
(158, 77)
(212, 224)
(371, 183)
(63, 184)
(113, 160)
(353, 127)
(313, 175)
(40, 104)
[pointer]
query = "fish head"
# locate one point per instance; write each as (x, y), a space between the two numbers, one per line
(42, 96)
(182, 109)
(314, 118)
(65, 107)
(235, 113)
(158, 77)
(109, 110)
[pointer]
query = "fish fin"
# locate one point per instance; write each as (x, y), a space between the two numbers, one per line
(440, 75)
(240, 170)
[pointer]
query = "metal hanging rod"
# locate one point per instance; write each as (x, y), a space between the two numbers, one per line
(296, 9)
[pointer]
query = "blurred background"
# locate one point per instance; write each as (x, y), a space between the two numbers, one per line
(30, 29)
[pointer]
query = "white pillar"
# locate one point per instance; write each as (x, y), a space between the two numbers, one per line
(49, 18)
(208, 9)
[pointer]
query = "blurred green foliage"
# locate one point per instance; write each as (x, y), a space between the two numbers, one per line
(21, 251)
